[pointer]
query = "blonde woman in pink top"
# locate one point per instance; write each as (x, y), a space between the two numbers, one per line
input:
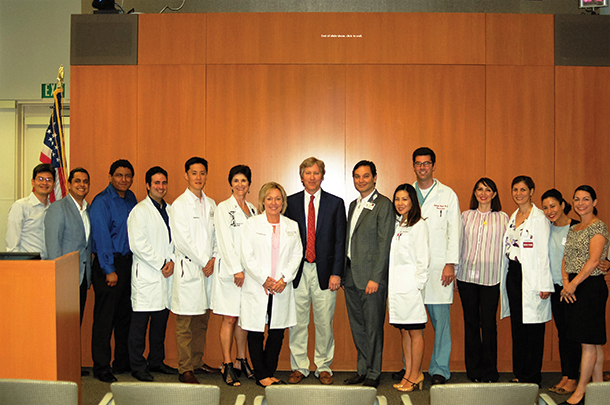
(271, 253)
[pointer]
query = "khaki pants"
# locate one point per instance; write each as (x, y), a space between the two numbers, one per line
(190, 340)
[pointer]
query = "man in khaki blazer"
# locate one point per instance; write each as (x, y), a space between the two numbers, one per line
(370, 227)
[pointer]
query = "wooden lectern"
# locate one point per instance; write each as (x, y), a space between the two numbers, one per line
(39, 322)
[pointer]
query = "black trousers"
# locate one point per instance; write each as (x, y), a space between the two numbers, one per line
(83, 298)
(480, 306)
(528, 339)
(265, 355)
(112, 312)
(569, 351)
(156, 339)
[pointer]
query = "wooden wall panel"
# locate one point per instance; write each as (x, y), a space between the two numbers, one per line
(520, 39)
(520, 128)
(171, 122)
(104, 101)
(103, 127)
(582, 142)
(583, 132)
(171, 39)
(393, 110)
(271, 118)
(443, 38)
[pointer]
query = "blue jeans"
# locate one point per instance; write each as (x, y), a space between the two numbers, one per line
(440, 315)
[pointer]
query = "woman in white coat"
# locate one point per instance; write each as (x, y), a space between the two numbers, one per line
(271, 253)
(527, 283)
(408, 274)
(231, 216)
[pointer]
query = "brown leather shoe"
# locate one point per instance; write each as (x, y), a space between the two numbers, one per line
(295, 377)
(188, 377)
(205, 369)
(326, 378)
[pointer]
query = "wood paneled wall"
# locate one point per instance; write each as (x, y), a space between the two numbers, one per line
(270, 89)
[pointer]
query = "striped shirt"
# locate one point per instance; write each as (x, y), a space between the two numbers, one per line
(482, 247)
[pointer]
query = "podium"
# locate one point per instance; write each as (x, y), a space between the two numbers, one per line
(39, 322)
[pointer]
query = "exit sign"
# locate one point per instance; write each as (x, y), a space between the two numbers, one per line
(48, 89)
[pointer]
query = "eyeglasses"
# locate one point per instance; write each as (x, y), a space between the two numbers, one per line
(424, 164)
(45, 179)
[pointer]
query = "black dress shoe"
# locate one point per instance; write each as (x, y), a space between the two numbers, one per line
(205, 369)
(438, 379)
(397, 376)
(105, 376)
(142, 375)
(163, 369)
(120, 370)
(356, 379)
(369, 382)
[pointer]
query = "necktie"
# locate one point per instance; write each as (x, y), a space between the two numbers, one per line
(311, 232)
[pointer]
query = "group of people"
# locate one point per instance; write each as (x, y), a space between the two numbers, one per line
(269, 264)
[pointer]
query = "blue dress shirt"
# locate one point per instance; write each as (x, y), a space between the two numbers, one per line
(109, 212)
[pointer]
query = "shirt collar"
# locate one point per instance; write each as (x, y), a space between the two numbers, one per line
(316, 195)
(157, 205)
(369, 197)
(35, 201)
(76, 203)
(194, 197)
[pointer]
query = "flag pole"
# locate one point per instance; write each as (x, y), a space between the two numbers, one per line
(60, 117)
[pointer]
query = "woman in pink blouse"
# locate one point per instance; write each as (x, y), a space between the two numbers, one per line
(478, 279)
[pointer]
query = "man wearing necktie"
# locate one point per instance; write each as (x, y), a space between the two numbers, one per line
(321, 219)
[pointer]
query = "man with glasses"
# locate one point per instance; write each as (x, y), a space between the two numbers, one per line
(441, 209)
(25, 225)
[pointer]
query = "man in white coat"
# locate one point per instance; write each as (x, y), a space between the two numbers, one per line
(192, 224)
(441, 209)
(150, 240)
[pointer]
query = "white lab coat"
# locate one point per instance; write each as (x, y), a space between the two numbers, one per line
(256, 259)
(195, 242)
(151, 248)
(535, 268)
(441, 210)
(409, 261)
(229, 220)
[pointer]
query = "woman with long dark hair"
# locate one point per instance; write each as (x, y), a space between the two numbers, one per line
(556, 210)
(478, 279)
(408, 274)
(584, 288)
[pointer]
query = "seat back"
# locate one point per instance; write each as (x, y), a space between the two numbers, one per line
(27, 392)
(484, 393)
(149, 393)
(314, 394)
(598, 393)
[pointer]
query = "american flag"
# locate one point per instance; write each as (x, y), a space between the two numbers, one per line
(53, 147)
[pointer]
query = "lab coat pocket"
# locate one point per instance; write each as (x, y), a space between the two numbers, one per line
(403, 282)
(188, 270)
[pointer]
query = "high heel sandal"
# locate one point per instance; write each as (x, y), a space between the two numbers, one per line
(245, 368)
(410, 385)
(229, 375)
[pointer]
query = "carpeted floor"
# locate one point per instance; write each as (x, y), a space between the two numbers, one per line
(94, 390)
